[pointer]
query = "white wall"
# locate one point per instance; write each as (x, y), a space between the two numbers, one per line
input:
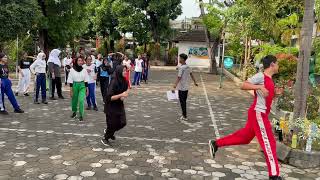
(193, 61)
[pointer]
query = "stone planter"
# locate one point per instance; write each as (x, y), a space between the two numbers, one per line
(297, 158)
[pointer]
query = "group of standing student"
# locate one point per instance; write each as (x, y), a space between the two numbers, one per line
(6, 87)
(141, 70)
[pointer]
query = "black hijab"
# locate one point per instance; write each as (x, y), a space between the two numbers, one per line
(76, 66)
(119, 83)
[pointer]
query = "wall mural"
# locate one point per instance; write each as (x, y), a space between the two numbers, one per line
(198, 52)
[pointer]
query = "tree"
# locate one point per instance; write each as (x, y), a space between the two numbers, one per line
(157, 14)
(302, 78)
(17, 18)
(62, 21)
(104, 21)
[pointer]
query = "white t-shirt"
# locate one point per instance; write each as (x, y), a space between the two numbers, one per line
(127, 64)
(67, 61)
(75, 76)
(138, 67)
(91, 72)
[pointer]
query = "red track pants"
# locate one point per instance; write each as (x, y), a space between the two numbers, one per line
(258, 125)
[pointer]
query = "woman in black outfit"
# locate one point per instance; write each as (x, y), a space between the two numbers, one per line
(114, 107)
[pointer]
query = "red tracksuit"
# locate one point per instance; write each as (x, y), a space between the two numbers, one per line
(258, 125)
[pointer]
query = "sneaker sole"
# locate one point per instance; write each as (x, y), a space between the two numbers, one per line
(211, 149)
(104, 143)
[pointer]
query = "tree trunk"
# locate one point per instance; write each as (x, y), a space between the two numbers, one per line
(302, 78)
(43, 33)
(244, 71)
(213, 64)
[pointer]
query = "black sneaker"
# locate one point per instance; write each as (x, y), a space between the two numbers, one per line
(105, 142)
(113, 138)
(88, 108)
(20, 111)
(61, 97)
(74, 115)
(44, 102)
(275, 178)
(213, 148)
(26, 94)
(4, 112)
(36, 102)
(105, 131)
(16, 94)
(52, 98)
(96, 109)
(80, 119)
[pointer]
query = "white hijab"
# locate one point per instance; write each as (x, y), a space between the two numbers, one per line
(40, 56)
(54, 57)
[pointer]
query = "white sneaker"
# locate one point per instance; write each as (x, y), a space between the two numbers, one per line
(183, 118)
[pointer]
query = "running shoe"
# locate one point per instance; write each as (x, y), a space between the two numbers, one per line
(213, 148)
(19, 111)
(105, 142)
(275, 178)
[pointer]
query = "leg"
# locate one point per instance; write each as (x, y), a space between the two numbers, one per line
(38, 85)
(53, 86)
(183, 102)
(139, 78)
(82, 96)
(11, 96)
(59, 86)
(27, 80)
(92, 94)
(88, 98)
(1, 98)
(75, 98)
(43, 87)
(263, 131)
(135, 78)
(242, 136)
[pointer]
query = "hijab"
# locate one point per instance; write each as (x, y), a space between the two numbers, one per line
(76, 66)
(119, 82)
(54, 57)
(40, 56)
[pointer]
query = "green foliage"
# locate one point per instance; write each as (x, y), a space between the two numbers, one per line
(267, 49)
(173, 53)
(287, 71)
(214, 21)
(17, 17)
(65, 20)
(234, 47)
(286, 101)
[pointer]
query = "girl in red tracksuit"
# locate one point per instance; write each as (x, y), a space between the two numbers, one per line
(258, 124)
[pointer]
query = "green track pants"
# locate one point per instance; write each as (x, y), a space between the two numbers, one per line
(79, 95)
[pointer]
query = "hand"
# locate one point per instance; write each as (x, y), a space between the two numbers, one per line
(87, 92)
(71, 93)
(53, 76)
(124, 94)
(264, 91)
(196, 84)
(122, 98)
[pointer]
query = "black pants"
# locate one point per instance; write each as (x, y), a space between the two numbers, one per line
(183, 96)
(67, 75)
(104, 84)
(56, 83)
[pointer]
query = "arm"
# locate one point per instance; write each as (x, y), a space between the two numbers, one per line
(177, 82)
(33, 66)
(194, 79)
(255, 83)
(248, 86)
(19, 68)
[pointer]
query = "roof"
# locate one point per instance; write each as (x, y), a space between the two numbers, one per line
(192, 36)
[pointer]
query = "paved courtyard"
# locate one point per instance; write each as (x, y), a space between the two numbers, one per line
(44, 143)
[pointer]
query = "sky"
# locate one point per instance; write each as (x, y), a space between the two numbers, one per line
(190, 8)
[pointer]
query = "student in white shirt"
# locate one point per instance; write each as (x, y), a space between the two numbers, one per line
(138, 71)
(39, 69)
(67, 63)
(78, 80)
(91, 97)
(127, 62)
